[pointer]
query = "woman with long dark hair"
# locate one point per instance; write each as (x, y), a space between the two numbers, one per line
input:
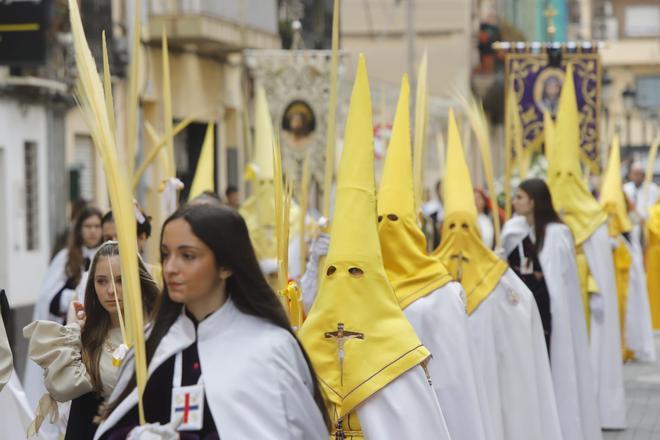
(223, 359)
(541, 250)
(80, 360)
(61, 284)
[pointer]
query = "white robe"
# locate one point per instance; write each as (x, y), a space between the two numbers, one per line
(643, 198)
(6, 359)
(15, 412)
(606, 362)
(512, 361)
(569, 345)
(486, 229)
(256, 380)
(639, 328)
(406, 408)
(441, 323)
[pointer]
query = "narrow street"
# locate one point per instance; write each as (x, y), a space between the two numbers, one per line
(643, 399)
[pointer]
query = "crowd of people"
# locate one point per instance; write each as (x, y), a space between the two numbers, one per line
(438, 329)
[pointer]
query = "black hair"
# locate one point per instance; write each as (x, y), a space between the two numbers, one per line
(224, 231)
(230, 189)
(544, 211)
(145, 226)
(142, 228)
(107, 218)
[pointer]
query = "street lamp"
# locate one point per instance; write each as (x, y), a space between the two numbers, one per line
(629, 94)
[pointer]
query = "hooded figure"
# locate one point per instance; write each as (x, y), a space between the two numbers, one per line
(587, 220)
(258, 209)
(553, 268)
(634, 312)
(365, 352)
(653, 263)
(432, 302)
(505, 326)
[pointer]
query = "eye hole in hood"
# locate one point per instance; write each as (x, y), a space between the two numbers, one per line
(356, 271)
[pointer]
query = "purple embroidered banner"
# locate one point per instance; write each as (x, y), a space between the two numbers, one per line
(537, 85)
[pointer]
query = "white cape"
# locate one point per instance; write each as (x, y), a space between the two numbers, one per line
(606, 359)
(406, 408)
(512, 361)
(54, 280)
(256, 380)
(639, 328)
(6, 359)
(15, 412)
(569, 345)
(441, 323)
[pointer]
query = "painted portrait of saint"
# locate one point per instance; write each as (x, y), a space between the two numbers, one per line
(298, 124)
(547, 89)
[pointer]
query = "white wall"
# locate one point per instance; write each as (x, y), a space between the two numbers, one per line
(23, 269)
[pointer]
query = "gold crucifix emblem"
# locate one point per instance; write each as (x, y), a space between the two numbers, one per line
(341, 336)
(459, 264)
(550, 13)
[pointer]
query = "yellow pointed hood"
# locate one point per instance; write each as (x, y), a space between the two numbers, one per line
(263, 137)
(549, 136)
(203, 180)
(354, 290)
(462, 251)
(576, 205)
(412, 272)
(611, 195)
(258, 209)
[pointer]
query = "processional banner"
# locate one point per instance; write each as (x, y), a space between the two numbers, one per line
(536, 73)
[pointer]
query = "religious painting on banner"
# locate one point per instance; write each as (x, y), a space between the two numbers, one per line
(537, 75)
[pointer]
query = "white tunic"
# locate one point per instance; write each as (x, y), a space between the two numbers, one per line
(639, 328)
(256, 380)
(15, 412)
(441, 322)
(486, 229)
(406, 408)
(512, 362)
(605, 334)
(643, 197)
(6, 365)
(569, 346)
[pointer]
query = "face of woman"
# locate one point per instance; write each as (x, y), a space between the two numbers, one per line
(91, 231)
(522, 203)
(103, 282)
(190, 269)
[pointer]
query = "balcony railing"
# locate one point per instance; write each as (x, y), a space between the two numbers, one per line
(216, 25)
